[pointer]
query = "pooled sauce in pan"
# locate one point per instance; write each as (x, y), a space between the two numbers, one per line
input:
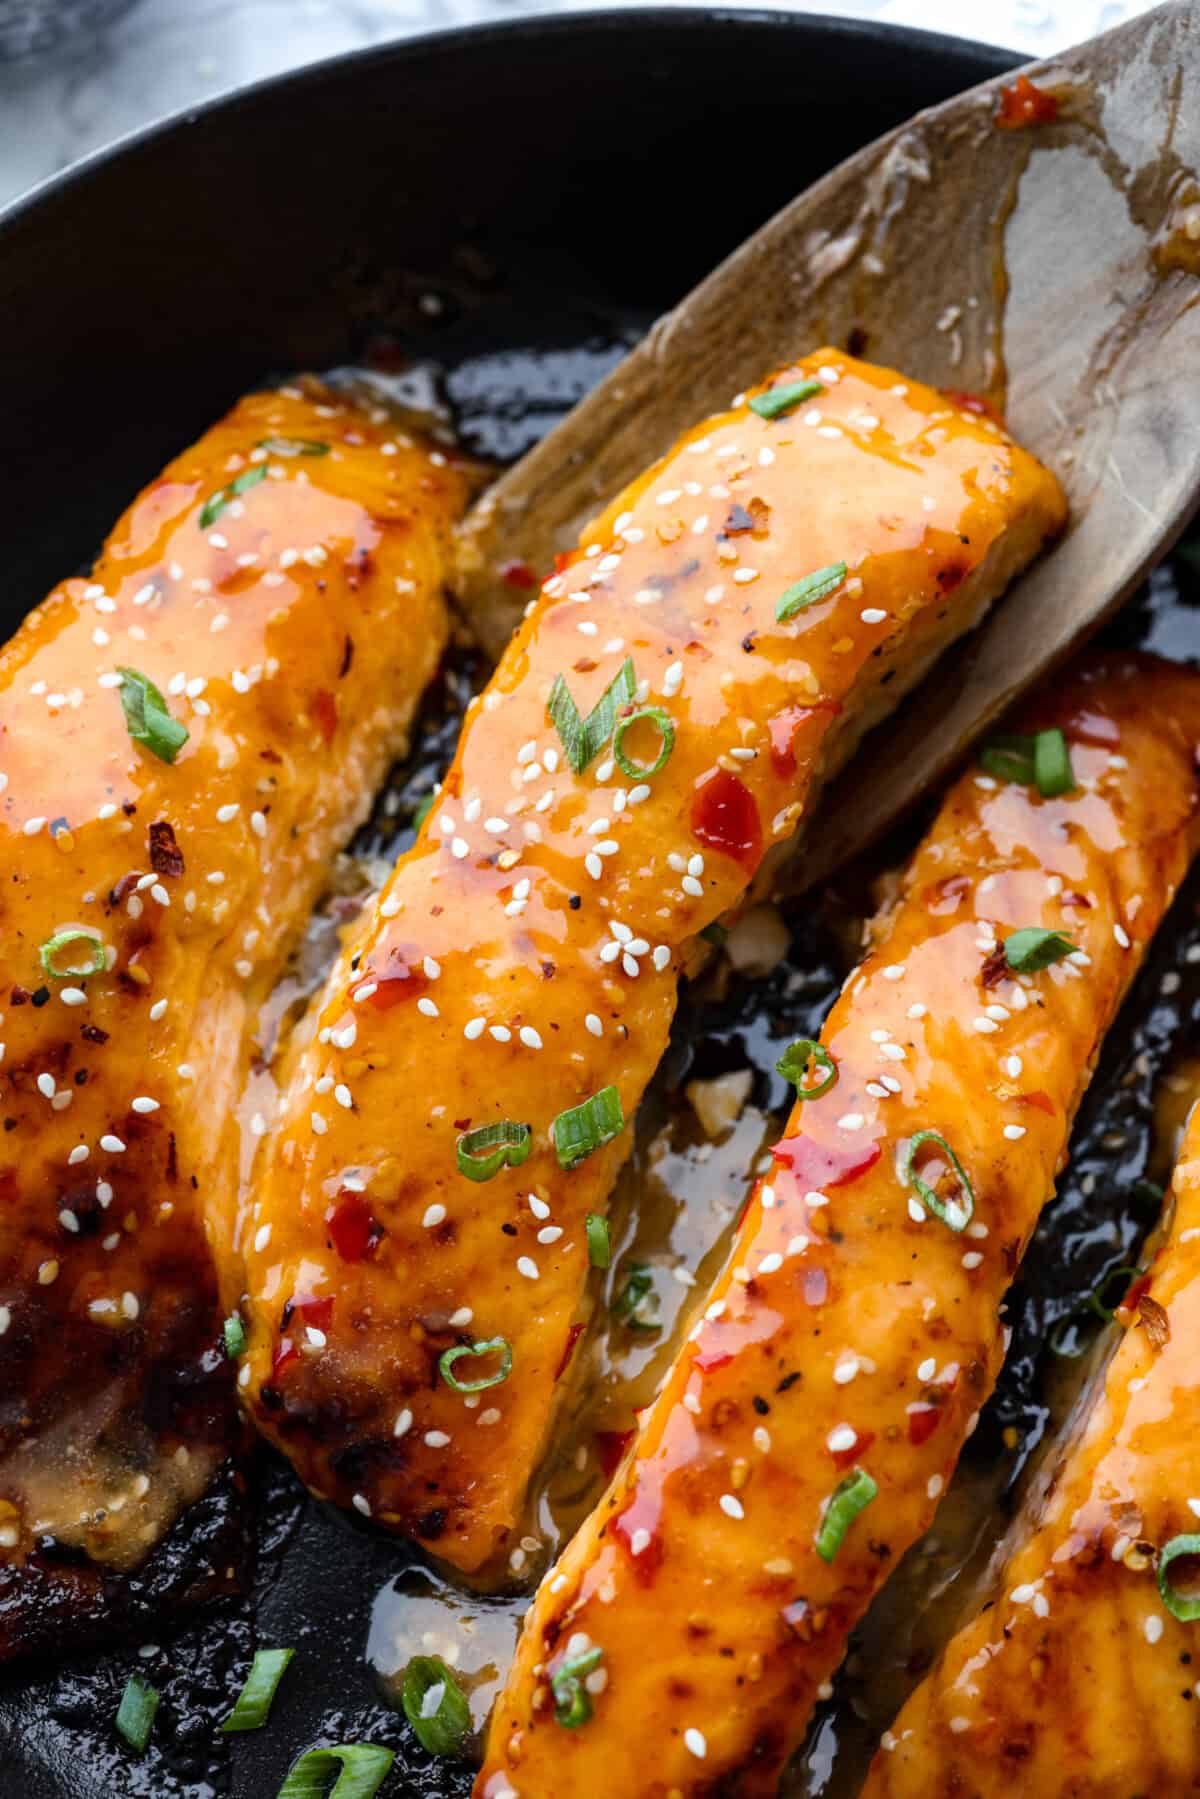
(357, 1607)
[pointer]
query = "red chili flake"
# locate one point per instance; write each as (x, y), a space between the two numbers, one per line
(401, 978)
(573, 1336)
(610, 1446)
(1024, 104)
(799, 1619)
(845, 1458)
(782, 730)
(1096, 728)
(725, 817)
(310, 1310)
(353, 1228)
(816, 1286)
(166, 857)
(324, 711)
(818, 1165)
(285, 1355)
(517, 574)
(1042, 1102)
(943, 898)
(1135, 1294)
(995, 967)
(923, 1420)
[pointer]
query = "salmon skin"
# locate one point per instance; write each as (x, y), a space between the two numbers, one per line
(816, 1411)
(186, 737)
(417, 1261)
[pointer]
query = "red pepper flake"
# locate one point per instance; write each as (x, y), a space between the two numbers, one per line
(943, 898)
(844, 1458)
(166, 857)
(285, 1355)
(610, 1446)
(816, 1166)
(923, 1420)
(1024, 104)
(1041, 1101)
(401, 978)
(311, 1311)
(573, 1336)
(353, 1228)
(517, 574)
(725, 817)
(1096, 728)
(783, 728)
(324, 711)
(1135, 1293)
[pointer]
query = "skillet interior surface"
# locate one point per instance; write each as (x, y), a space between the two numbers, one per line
(509, 207)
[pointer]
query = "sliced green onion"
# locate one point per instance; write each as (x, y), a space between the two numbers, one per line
(493, 1346)
(1178, 1604)
(716, 934)
(1091, 1302)
(637, 1304)
(846, 1501)
(215, 505)
(234, 1333)
(78, 970)
(1052, 764)
(795, 1060)
(135, 1714)
(803, 594)
(642, 771)
(1009, 758)
(599, 1246)
(572, 1702)
(434, 1705)
(360, 1769)
(778, 400)
(1042, 761)
(957, 1214)
(583, 738)
(147, 718)
(583, 1129)
(253, 1703)
(484, 1152)
(1033, 949)
(423, 808)
(293, 446)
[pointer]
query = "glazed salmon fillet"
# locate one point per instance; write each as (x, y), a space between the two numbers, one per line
(417, 1251)
(1079, 1679)
(186, 737)
(816, 1410)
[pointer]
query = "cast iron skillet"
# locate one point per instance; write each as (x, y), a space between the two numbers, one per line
(552, 184)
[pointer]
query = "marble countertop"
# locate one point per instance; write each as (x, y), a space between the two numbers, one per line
(161, 55)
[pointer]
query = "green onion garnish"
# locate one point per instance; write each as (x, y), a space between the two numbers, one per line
(215, 505)
(778, 400)
(135, 1714)
(434, 1705)
(253, 1703)
(956, 1213)
(234, 1333)
(1033, 949)
(572, 1703)
(803, 594)
(844, 1504)
(582, 1130)
(584, 738)
(147, 718)
(1042, 761)
(637, 1304)
(360, 1769)
(716, 934)
(795, 1060)
(1178, 1604)
(493, 1346)
(1091, 1302)
(293, 446)
(80, 968)
(598, 1245)
(423, 808)
(484, 1152)
(641, 771)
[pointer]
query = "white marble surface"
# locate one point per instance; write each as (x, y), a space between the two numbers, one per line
(166, 54)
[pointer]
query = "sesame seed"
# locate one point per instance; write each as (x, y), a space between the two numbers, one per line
(1014, 1132)
(427, 1007)
(1153, 1628)
(403, 1423)
(594, 1025)
(872, 615)
(112, 1145)
(528, 1267)
(731, 1506)
(474, 1028)
(841, 1438)
(143, 1103)
(529, 1037)
(262, 1237)
(436, 1439)
(934, 1485)
(434, 1215)
(851, 1121)
(695, 1743)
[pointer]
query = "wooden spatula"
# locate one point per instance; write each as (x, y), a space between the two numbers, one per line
(1054, 269)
